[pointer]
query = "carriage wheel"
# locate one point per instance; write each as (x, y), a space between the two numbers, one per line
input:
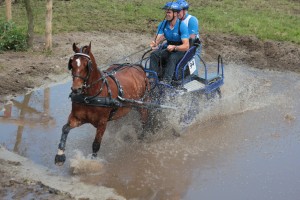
(214, 94)
(152, 84)
(193, 108)
(219, 93)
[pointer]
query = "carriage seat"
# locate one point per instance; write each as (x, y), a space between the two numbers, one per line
(182, 69)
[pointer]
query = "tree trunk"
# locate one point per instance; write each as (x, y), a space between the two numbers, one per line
(48, 33)
(30, 23)
(8, 10)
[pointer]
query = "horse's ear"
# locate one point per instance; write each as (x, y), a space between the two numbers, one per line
(75, 48)
(89, 48)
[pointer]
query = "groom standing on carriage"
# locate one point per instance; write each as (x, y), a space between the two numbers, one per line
(164, 60)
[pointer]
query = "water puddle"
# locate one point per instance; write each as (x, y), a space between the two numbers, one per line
(245, 146)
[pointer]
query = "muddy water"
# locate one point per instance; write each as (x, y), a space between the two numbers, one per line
(245, 146)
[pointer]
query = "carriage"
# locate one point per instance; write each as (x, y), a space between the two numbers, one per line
(192, 75)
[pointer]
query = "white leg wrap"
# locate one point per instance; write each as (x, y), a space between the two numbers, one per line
(60, 152)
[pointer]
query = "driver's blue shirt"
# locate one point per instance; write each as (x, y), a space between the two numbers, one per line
(174, 34)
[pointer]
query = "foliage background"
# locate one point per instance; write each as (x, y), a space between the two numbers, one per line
(12, 37)
(277, 20)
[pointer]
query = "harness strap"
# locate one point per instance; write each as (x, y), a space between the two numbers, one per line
(95, 101)
(108, 101)
(120, 93)
(120, 89)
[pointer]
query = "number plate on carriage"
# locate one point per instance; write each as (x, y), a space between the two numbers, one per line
(192, 65)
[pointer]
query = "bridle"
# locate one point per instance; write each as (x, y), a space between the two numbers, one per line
(85, 79)
(89, 67)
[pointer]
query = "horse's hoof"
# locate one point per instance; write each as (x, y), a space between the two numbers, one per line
(94, 156)
(141, 136)
(60, 159)
(175, 133)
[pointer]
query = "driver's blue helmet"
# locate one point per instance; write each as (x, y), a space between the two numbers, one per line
(172, 6)
(183, 4)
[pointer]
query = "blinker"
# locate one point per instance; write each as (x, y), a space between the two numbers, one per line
(70, 63)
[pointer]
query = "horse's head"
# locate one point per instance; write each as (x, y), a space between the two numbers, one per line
(81, 66)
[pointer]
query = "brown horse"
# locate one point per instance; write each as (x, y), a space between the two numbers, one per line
(100, 96)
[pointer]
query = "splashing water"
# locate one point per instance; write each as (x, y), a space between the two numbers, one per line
(245, 89)
(84, 165)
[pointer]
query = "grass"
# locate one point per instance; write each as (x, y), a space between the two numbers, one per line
(266, 19)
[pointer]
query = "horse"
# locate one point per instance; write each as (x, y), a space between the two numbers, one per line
(101, 96)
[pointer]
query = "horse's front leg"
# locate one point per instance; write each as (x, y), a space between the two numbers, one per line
(98, 138)
(60, 157)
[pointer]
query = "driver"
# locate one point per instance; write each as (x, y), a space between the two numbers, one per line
(177, 36)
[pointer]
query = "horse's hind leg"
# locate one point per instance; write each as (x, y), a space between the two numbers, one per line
(98, 138)
(145, 122)
(60, 157)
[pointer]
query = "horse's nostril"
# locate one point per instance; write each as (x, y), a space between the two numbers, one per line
(76, 90)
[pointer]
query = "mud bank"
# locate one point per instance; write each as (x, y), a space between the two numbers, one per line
(21, 178)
